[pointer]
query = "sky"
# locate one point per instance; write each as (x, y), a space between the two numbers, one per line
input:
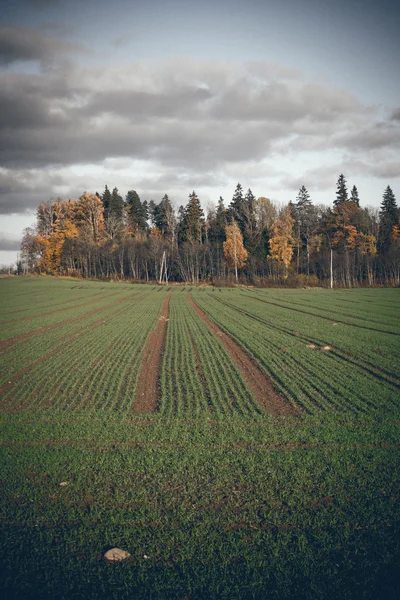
(167, 96)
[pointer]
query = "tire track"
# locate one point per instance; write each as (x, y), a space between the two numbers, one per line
(147, 392)
(260, 385)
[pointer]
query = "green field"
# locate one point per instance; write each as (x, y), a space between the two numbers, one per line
(211, 494)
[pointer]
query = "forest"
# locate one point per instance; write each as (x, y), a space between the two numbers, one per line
(248, 241)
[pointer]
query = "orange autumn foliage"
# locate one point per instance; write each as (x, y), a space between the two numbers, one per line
(234, 252)
(282, 240)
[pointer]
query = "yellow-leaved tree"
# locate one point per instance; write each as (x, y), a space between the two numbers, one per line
(234, 252)
(281, 241)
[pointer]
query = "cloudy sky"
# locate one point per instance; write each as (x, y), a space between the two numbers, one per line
(167, 96)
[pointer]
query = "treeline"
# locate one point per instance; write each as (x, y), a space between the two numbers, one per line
(250, 240)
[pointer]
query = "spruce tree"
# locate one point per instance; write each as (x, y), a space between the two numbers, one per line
(106, 199)
(303, 198)
(161, 214)
(193, 220)
(341, 191)
(116, 205)
(236, 207)
(137, 212)
(249, 200)
(388, 218)
(354, 195)
(220, 220)
(152, 209)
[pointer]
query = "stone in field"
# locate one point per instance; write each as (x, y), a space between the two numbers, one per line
(63, 483)
(312, 346)
(116, 554)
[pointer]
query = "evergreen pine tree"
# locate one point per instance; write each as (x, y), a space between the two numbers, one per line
(193, 220)
(116, 205)
(354, 195)
(249, 199)
(303, 198)
(145, 212)
(220, 220)
(161, 214)
(341, 191)
(106, 199)
(137, 212)
(236, 207)
(152, 209)
(388, 218)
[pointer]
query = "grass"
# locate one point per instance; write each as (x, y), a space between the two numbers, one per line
(212, 497)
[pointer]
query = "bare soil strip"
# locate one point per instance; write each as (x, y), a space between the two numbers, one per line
(147, 393)
(256, 380)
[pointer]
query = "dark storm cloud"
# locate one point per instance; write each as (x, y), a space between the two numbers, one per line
(24, 44)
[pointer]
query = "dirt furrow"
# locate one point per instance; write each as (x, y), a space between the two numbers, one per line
(147, 393)
(261, 386)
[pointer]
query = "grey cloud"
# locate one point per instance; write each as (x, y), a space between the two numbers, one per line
(395, 116)
(319, 178)
(323, 178)
(209, 114)
(388, 170)
(44, 3)
(136, 104)
(8, 244)
(188, 117)
(370, 137)
(282, 101)
(26, 44)
(21, 190)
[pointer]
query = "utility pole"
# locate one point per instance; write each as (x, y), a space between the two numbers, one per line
(163, 268)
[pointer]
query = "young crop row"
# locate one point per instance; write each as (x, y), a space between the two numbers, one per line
(331, 307)
(314, 378)
(97, 370)
(362, 346)
(24, 326)
(199, 516)
(26, 294)
(368, 349)
(198, 377)
(27, 348)
(27, 297)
